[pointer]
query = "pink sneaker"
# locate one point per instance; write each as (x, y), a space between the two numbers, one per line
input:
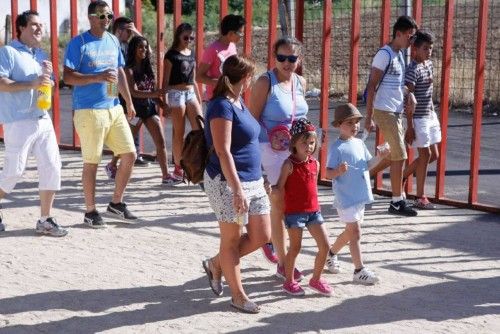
(269, 253)
(280, 273)
(178, 174)
(293, 288)
(170, 181)
(110, 170)
(321, 286)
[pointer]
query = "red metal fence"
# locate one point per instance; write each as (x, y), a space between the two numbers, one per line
(342, 34)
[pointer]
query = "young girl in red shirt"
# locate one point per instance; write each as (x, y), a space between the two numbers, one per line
(298, 184)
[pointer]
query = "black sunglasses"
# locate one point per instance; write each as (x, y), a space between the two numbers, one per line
(110, 16)
(291, 59)
(188, 38)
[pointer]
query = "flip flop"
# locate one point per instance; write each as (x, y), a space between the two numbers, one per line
(247, 307)
(215, 285)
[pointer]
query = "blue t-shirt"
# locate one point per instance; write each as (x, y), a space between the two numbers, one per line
(20, 63)
(353, 187)
(244, 140)
(88, 54)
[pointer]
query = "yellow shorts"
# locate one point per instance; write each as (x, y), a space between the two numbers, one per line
(391, 126)
(99, 127)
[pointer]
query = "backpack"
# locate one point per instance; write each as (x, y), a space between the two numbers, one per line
(195, 153)
(364, 98)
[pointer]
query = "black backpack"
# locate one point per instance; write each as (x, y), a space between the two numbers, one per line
(195, 153)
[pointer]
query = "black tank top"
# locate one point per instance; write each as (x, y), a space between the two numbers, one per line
(182, 68)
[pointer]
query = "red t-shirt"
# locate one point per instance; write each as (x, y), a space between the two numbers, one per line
(301, 191)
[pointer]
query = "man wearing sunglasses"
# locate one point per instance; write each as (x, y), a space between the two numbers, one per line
(93, 64)
(386, 94)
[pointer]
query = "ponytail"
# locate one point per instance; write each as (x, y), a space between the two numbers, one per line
(223, 87)
(234, 69)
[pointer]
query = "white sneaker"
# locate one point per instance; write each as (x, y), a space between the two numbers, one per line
(333, 264)
(365, 276)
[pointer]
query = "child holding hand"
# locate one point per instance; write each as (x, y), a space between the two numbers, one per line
(348, 166)
(298, 184)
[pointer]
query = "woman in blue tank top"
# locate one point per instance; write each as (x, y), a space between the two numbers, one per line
(278, 97)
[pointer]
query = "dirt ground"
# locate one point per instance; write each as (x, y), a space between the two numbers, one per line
(440, 272)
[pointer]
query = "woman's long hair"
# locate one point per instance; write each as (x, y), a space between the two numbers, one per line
(178, 32)
(234, 69)
(146, 66)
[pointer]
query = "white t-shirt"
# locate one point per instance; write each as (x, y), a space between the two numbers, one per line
(389, 96)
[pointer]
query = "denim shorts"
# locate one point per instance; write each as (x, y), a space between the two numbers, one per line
(301, 220)
(179, 98)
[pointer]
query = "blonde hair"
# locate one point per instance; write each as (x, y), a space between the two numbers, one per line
(234, 69)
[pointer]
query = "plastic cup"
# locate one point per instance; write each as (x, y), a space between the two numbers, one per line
(112, 88)
(242, 219)
(383, 147)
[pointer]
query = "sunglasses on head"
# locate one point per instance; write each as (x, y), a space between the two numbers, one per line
(188, 38)
(109, 16)
(291, 59)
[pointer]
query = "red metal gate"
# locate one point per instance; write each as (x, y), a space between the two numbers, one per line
(356, 71)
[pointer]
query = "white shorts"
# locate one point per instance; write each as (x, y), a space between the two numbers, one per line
(220, 197)
(272, 161)
(352, 214)
(31, 137)
(427, 131)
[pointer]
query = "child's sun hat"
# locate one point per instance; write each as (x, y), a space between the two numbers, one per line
(344, 112)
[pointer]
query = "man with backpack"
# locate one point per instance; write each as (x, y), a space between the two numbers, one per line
(93, 64)
(386, 96)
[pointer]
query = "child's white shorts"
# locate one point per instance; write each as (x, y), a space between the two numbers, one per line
(427, 131)
(352, 214)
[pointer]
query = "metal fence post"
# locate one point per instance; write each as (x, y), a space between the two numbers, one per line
(478, 100)
(445, 95)
(325, 83)
(54, 49)
(354, 58)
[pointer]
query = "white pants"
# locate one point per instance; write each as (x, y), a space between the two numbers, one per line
(31, 137)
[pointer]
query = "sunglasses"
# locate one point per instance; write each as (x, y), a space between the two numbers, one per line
(109, 16)
(412, 38)
(291, 59)
(188, 38)
(239, 33)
